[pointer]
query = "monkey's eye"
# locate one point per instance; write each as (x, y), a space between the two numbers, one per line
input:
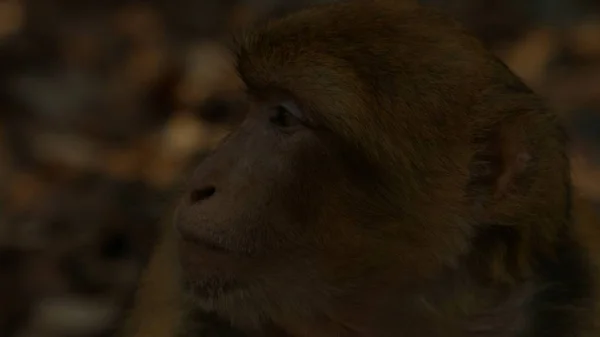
(286, 114)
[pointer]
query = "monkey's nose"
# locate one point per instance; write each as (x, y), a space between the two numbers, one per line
(201, 194)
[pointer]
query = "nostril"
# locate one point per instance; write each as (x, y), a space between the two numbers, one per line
(202, 194)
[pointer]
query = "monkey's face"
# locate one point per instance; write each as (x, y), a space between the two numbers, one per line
(266, 198)
(321, 184)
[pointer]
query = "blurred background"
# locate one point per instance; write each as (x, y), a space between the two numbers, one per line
(106, 105)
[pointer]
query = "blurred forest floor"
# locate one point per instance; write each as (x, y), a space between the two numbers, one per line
(104, 108)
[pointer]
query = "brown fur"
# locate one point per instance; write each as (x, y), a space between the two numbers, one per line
(424, 190)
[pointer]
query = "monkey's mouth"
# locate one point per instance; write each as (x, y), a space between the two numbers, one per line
(194, 242)
(203, 244)
(204, 261)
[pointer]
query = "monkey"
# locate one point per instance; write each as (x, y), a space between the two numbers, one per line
(390, 177)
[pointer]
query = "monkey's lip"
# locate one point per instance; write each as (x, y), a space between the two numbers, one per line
(205, 244)
(201, 259)
(197, 242)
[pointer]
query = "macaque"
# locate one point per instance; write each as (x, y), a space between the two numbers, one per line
(389, 177)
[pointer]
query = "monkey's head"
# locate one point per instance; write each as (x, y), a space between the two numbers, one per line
(379, 145)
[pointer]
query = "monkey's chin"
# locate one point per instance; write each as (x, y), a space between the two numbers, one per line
(208, 272)
(209, 287)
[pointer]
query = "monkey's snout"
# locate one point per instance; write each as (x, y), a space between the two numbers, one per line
(202, 194)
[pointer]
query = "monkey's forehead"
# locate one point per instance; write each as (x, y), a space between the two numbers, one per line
(369, 50)
(364, 66)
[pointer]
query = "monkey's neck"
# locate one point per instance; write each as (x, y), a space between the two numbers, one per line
(549, 303)
(552, 301)
(452, 306)
(458, 302)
